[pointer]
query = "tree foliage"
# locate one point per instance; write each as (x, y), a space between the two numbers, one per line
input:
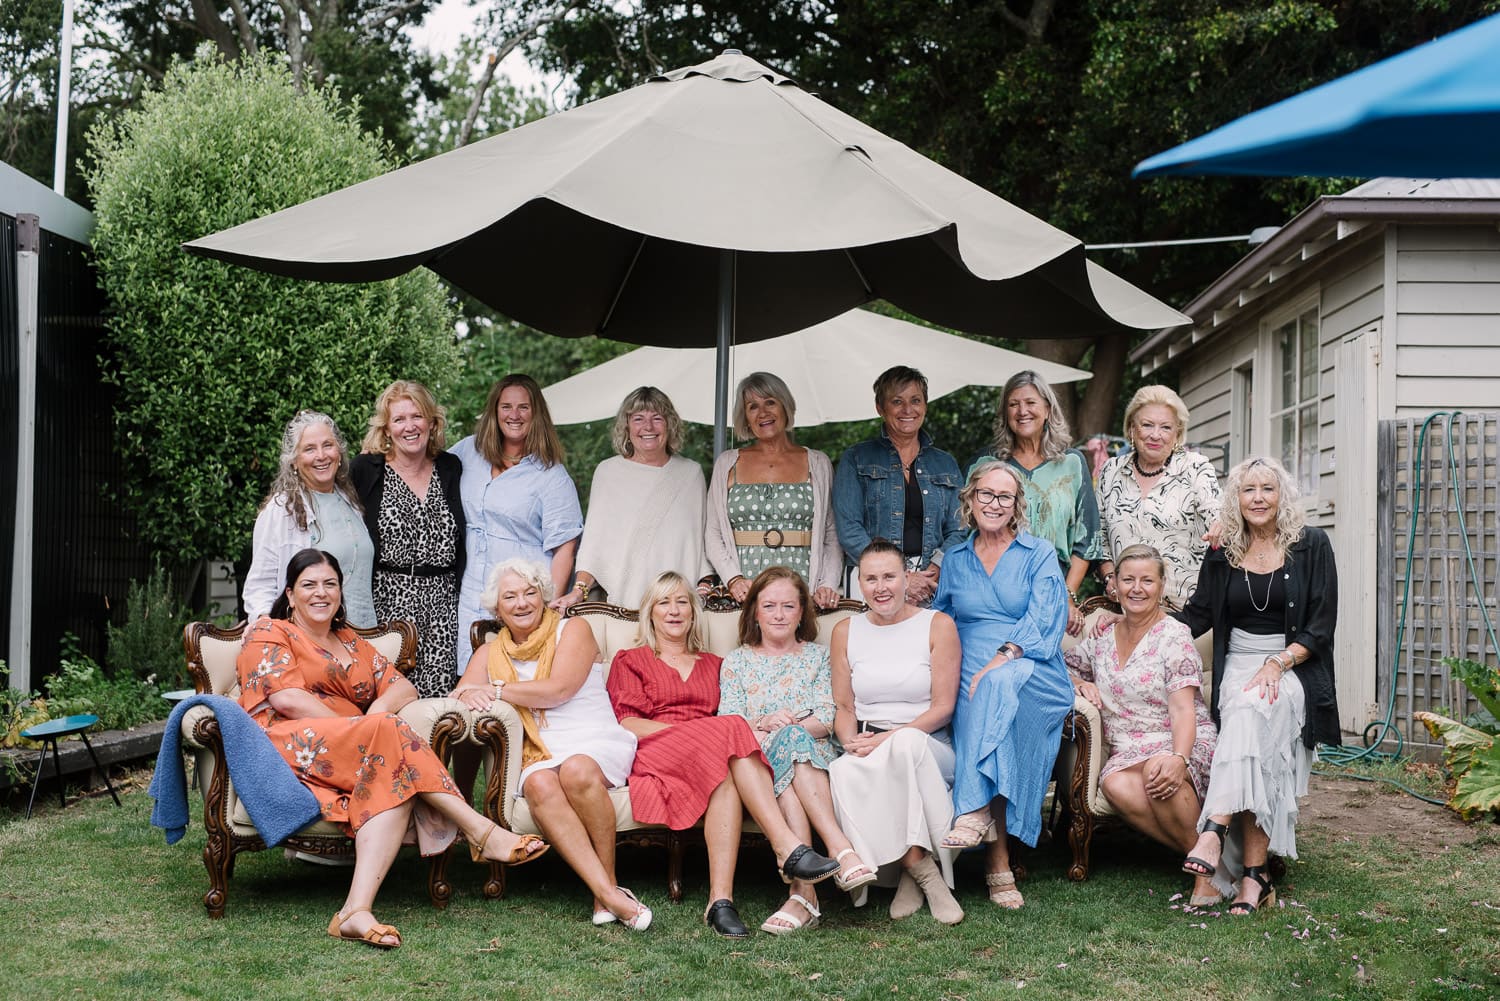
(210, 359)
(1048, 105)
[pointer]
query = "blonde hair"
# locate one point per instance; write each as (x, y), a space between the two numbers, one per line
(530, 571)
(1056, 437)
(1141, 551)
(666, 583)
(639, 401)
(541, 440)
(378, 437)
(288, 485)
(1148, 396)
(766, 385)
(1289, 516)
(981, 469)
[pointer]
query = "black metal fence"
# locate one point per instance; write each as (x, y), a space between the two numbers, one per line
(1453, 545)
(85, 547)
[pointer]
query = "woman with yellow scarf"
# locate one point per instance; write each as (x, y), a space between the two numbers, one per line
(574, 750)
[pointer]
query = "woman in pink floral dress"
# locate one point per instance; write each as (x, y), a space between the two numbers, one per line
(1146, 679)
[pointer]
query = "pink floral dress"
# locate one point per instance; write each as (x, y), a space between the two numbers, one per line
(1136, 724)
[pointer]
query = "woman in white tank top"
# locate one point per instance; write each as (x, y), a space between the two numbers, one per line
(895, 682)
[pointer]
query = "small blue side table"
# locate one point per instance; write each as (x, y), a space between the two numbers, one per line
(49, 733)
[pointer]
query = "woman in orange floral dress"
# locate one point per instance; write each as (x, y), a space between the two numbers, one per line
(328, 701)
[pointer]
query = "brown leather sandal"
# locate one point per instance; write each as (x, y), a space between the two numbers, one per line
(374, 936)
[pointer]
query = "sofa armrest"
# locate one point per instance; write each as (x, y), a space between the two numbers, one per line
(443, 723)
(498, 732)
(1083, 733)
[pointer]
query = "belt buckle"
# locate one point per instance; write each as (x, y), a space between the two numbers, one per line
(780, 538)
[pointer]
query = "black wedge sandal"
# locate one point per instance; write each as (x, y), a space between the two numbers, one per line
(1194, 866)
(1262, 875)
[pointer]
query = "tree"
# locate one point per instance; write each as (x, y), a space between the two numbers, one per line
(1048, 105)
(210, 359)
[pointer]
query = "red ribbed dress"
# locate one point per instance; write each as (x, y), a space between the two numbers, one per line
(676, 770)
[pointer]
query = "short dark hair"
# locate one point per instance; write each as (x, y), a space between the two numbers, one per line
(299, 564)
(807, 628)
(894, 378)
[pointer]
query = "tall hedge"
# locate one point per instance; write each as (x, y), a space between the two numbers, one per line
(209, 359)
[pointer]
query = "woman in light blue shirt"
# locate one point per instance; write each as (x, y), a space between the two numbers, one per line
(518, 499)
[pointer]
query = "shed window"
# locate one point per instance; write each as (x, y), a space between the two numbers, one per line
(1294, 422)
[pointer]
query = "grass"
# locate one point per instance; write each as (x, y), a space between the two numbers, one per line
(95, 905)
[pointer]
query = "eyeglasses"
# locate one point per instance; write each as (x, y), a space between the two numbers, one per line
(988, 497)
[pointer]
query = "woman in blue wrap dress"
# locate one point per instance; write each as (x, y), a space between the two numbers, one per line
(1003, 588)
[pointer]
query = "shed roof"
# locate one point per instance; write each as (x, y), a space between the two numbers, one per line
(1323, 225)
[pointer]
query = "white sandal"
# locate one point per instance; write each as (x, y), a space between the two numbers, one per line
(852, 883)
(793, 923)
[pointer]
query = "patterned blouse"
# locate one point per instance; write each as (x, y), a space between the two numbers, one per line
(1172, 515)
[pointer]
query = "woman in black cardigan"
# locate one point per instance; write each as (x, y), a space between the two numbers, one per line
(1270, 595)
(409, 488)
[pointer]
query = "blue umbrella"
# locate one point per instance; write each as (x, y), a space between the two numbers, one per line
(1433, 111)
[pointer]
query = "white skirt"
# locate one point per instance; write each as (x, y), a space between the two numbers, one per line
(896, 798)
(1260, 765)
(585, 724)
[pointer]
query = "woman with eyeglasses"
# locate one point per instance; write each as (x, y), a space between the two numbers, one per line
(1005, 591)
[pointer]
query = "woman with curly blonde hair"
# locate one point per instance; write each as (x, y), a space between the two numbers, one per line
(1270, 595)
(409, 487)
(1032, 437)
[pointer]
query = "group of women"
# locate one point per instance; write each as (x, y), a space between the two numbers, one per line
(927, 725)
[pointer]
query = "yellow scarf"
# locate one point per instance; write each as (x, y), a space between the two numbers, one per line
(540, 647)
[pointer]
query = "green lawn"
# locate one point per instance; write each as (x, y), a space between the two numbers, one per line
(95, 905)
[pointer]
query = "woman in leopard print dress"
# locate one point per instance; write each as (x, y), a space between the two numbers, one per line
(409, 488)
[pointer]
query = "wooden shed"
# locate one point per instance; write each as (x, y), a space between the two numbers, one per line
(1328, 347)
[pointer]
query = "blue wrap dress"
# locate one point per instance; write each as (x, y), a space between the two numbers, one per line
(1006, 736)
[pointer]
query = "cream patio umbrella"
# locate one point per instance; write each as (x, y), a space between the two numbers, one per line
(711, 205)
(830, 368)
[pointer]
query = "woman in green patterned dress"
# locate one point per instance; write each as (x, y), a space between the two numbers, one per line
(1031, 434)
(771, 502)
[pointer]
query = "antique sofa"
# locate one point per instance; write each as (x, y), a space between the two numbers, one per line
(498, 731)
(211, 654)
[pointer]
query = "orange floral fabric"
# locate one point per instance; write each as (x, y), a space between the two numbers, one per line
(357, 766)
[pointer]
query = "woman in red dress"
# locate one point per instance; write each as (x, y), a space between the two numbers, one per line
(328, 701)
(691, 764)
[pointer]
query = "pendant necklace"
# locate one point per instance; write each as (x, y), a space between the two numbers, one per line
(1269, 583)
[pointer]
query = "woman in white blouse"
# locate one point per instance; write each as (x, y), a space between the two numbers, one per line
(1158, 493)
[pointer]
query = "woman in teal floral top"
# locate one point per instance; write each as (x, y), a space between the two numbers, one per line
(780, 681)
(1031, 434)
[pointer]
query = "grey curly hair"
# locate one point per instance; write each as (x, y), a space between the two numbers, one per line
(288, 488)
(1290, 518)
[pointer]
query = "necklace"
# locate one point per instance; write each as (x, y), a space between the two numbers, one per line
(1135, 460)
(1269, 582)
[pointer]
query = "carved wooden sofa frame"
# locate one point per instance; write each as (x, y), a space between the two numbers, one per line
(211, 654)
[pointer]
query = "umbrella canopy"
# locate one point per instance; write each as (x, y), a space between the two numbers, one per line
(830, 368)
(1433, 111)
(612, 219)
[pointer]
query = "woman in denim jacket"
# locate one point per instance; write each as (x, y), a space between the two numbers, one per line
(900, 487)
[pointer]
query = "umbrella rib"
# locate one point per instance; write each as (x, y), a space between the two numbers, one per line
(620, 289)
(858, 272)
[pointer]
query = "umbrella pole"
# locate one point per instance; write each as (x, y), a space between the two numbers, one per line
(721, 355)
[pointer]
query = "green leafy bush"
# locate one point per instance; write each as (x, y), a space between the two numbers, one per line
(1472, 749)
(148, 645)
(210, 359)
(80, 686)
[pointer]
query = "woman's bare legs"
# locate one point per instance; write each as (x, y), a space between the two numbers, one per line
(1172, 821)
(375, 846)
(797, 820)
(473, 825)
(752, 781)
(1257, 850)
(998, 876)
(576, 820)
(723, 822)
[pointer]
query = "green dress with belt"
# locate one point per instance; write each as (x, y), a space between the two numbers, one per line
(762, 507)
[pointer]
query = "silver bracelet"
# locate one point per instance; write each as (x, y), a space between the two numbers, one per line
(1279, 662)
